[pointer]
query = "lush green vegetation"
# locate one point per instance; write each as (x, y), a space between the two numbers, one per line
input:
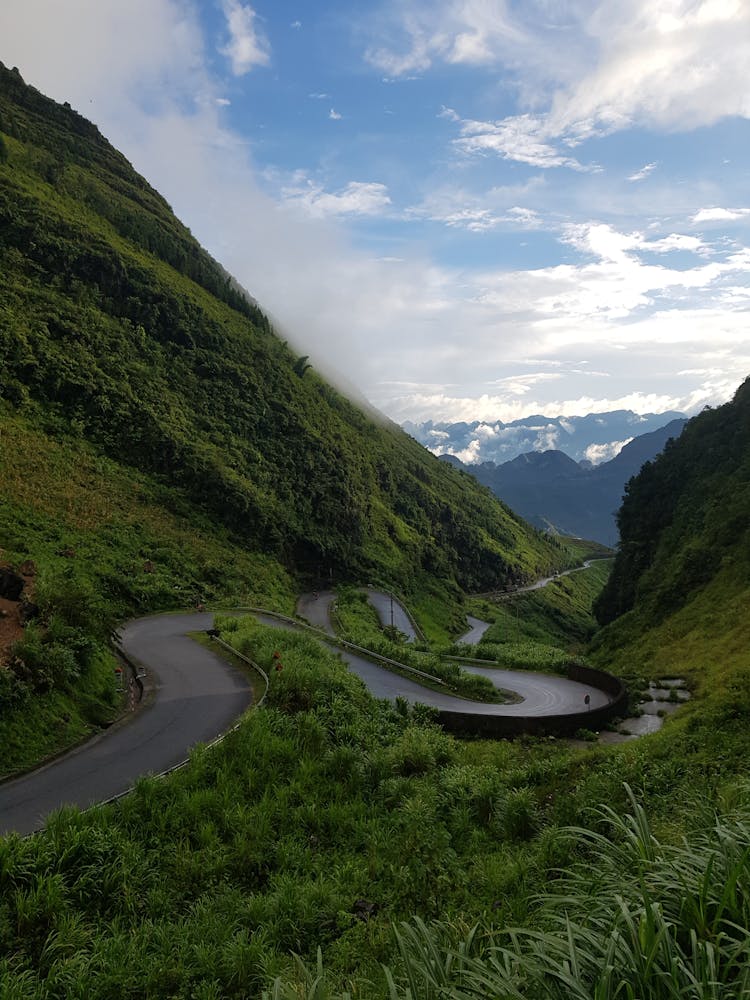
(116, 328)
(636, 918)
(542, 629)
(203, 884)
(327, 819)
(358, 622)
(680, 586)
(155, 433)
(36, 724)
(685, 518)
(560, 612)
(106, 546)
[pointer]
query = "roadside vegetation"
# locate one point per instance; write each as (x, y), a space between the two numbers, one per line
(326, 821)
(105, 546)
(319, 822)
(561, 612)
(543, 629)
(358, 622)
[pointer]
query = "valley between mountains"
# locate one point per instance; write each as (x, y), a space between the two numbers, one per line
(163, 448)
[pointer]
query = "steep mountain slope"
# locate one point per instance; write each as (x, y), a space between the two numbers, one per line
(685, 517)
(549, 489)
(160, 445)
(118, 328)
(676, 603)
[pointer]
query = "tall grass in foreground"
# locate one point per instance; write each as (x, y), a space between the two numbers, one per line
(634, 918)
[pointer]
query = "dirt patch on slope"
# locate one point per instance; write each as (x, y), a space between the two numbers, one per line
(11, 619)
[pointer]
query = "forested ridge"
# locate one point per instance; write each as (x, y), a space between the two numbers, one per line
(117, 328)
(684, 516)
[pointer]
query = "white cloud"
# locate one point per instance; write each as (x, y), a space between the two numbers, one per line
(357, 198)
(459, 31)
(92, 53)
(145, 63)
(521, 137)
(471, 453)
(721, 214)
(486, 407)
(525, 218)
(449, 114)
(678, 64)
(459, 208)
(675, 241)
(597, 453)
(334, 115)
(641, 174)
(522, 385)
(595, 67)
(296, 25)
(247, 46)
(223, 102)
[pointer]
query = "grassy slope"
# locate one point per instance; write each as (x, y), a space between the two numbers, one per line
(561, 611)
(103, 530)
(543, 629)
(203, 885)
(681, 583)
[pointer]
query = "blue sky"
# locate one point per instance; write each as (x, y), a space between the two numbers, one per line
(473, 210)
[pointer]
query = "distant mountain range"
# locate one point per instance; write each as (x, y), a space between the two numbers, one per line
(554, 492)
(594, 438)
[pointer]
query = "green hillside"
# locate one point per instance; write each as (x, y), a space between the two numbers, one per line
(117, 328)
(685, 518)
(676, 603)
(162, 446)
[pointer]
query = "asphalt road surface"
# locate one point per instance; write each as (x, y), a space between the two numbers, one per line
(477, 628)
(391, 612)
(541, 694)
(316, 608)
(197, 697)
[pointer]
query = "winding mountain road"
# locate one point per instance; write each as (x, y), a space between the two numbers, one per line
(541, 694)
(316, 609)
(198, 695)
(391, 612)
(477, 628)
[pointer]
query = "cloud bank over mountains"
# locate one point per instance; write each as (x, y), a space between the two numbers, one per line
(595, 437)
